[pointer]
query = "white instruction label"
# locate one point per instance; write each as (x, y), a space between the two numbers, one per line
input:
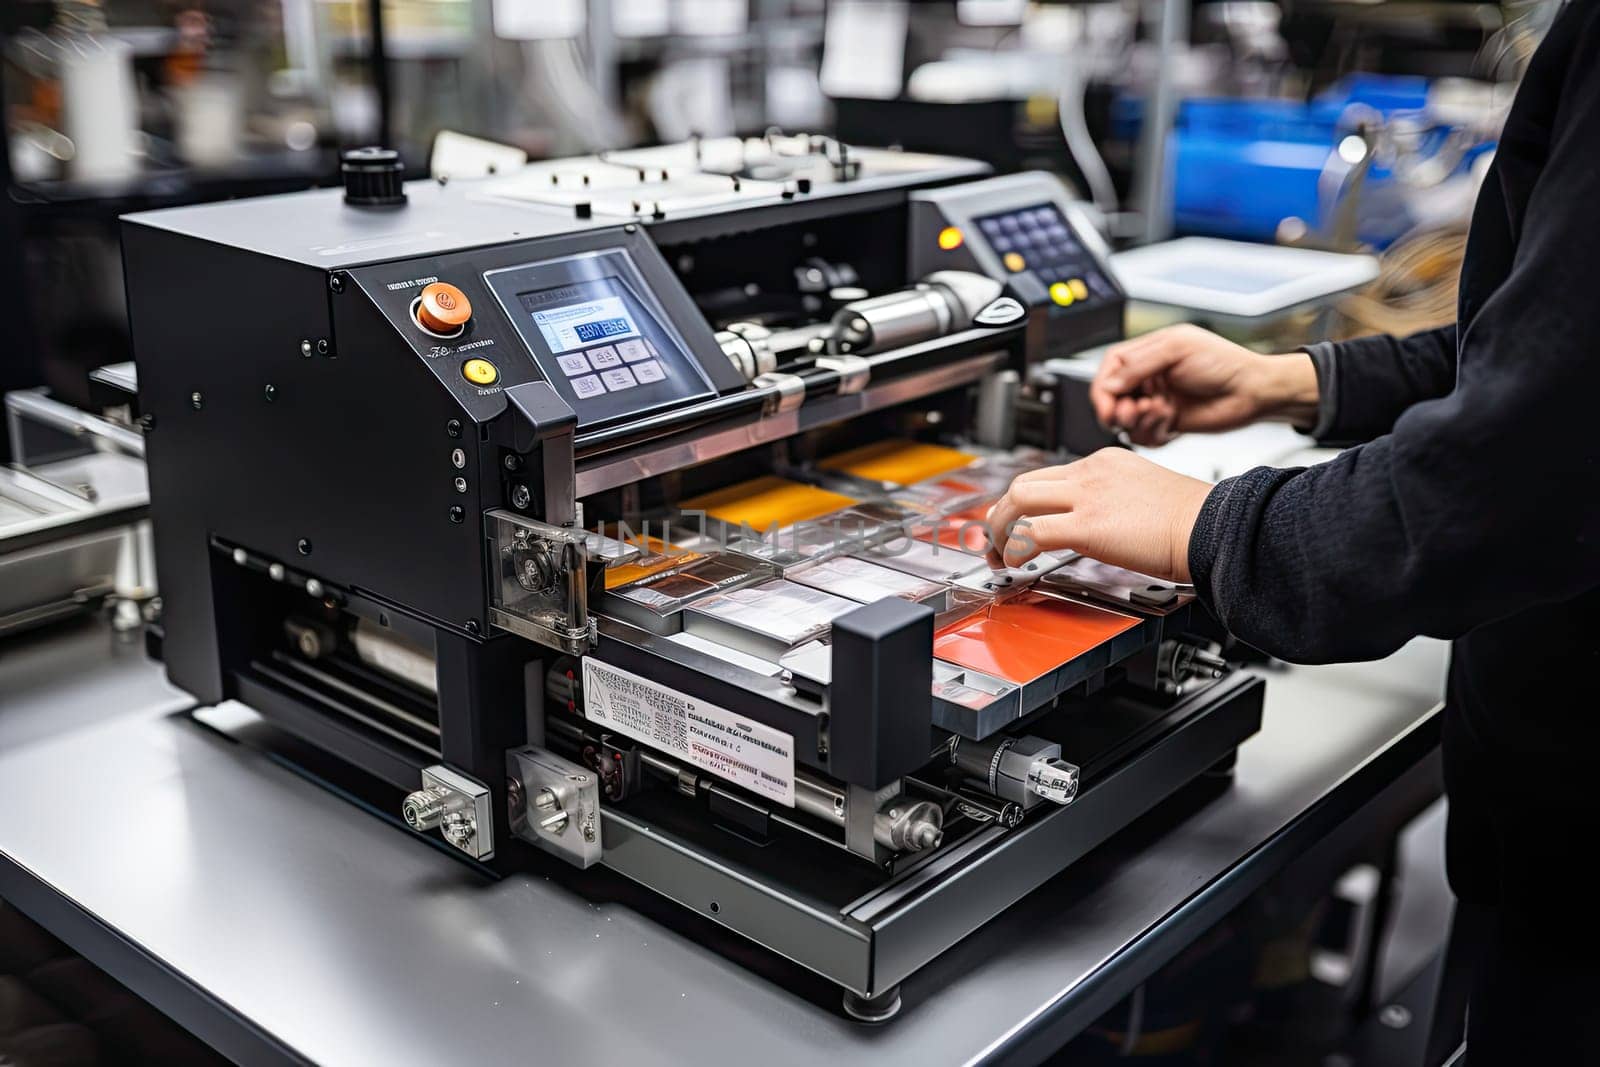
(757, 757)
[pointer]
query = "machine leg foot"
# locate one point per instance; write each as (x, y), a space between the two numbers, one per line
(1224, 767)
(878, 1009)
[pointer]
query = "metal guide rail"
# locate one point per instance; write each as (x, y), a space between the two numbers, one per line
(630, 509)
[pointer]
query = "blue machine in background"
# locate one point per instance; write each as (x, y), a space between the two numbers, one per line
(1240, 167)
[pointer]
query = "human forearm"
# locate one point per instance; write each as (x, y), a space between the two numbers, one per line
(1285, 388)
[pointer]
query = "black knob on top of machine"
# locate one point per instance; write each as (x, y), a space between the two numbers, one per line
(372, 177)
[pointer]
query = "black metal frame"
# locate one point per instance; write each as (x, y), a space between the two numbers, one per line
(894, 924)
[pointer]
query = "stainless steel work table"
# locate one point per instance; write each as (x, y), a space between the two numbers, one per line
(279, 921)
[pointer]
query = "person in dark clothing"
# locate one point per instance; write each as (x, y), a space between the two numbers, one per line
(1470, 512)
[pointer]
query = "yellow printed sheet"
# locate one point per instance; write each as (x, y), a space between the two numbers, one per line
(898, 462)
(768, 501)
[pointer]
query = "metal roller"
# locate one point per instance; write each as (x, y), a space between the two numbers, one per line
(942, 303)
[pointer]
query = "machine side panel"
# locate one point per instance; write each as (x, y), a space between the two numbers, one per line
(202, 383)
(337, 463)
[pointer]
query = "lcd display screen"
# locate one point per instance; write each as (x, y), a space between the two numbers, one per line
(587, 313)
(598, 335)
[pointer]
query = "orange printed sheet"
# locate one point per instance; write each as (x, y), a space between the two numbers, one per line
(1027, 637)
(967, 530)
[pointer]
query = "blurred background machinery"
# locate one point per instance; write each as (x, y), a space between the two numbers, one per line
(1334, 124)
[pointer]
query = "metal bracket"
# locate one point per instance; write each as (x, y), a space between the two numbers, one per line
(788, 392)
(854, 371)
(554, 804)
(457, 807)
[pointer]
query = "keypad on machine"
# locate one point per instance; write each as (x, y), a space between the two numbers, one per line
(1039, 234)
(1039, 240)
(612, 367)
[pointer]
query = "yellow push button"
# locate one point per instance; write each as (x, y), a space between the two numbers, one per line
(1080, 290)
(443, 308)
(1062, 294)
(480, 372)
(1015, 263)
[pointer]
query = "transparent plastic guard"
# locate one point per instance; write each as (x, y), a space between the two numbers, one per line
(539, 588)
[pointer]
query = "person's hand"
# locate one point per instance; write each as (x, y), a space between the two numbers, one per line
(1113, 506)
(1185, 379)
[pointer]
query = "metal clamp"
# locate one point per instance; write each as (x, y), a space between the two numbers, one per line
(554, 804)
(787, 392)
(457, 807)
(854, 371)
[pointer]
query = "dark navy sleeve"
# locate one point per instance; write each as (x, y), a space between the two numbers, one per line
(1364, 385)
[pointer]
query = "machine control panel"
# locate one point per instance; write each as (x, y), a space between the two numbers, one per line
(1024, 231)
(1038, 240)
(598, 335)
(600, 316)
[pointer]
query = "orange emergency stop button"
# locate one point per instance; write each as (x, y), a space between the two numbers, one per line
(443, 308)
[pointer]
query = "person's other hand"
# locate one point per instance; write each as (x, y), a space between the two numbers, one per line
(1185, 379)
(1113, 506)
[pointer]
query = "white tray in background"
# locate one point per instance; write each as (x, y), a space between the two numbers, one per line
(1237, 278)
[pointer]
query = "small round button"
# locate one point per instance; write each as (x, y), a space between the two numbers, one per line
(1062, 294)
(443, 308)
(1015, 263)
(1079, 289)
(480, 372)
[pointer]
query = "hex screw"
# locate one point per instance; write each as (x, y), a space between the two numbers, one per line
(457, 515)
(336, 283)
(304, 545)
(305, 347)
(271, 392)
(513, 462)
(458, 458)
(322, 346)
(459, 828)
(472, 627)
(520, 497)
(453, 427)
(461, 485)
(197, 400)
